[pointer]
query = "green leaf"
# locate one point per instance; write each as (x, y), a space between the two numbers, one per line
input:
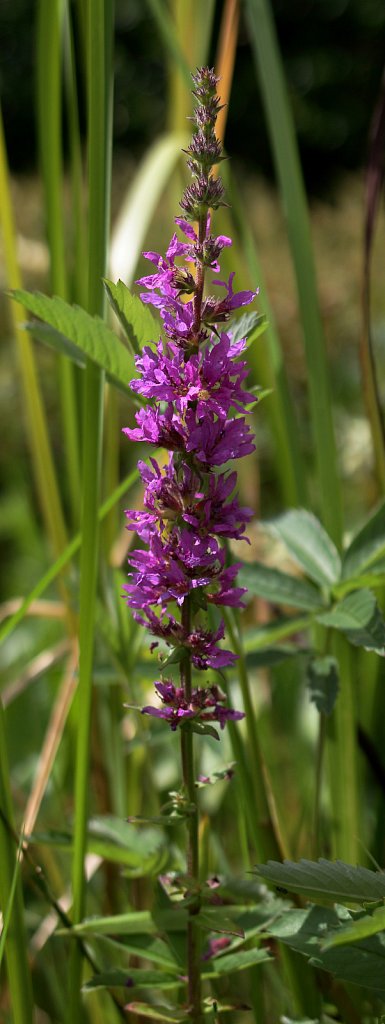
(218, 922)
(304, 931)
(359, 618)
(133, 977)
(169, 1014)
(367, 549)
(203, 729)
(309, 545)
(134, 315)
(155, 950)
(248, 325)
(237, 961)
(323, 683)
(77, 333)
(325, 879)
(356, 929)
(278, 587)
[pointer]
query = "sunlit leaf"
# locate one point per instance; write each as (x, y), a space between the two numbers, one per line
(356, 929)
(278, 587)
(136, 319)
(77, 333)
(309, 545)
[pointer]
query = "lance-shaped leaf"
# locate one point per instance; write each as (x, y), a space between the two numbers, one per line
(323, 683)
(79, 335)
(309, 545)
(238, 961)
(367, 549)
(135, 317)
(132, 978)
(326, 880)
(359, 618)
(169, 1014)
(278, 587)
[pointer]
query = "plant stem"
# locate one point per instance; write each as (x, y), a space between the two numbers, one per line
(19, 978)
(99, 64)
(187, 752)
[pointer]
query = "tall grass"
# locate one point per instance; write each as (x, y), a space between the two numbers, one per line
(295, 793)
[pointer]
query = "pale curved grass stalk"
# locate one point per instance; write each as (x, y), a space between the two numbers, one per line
(52, 740)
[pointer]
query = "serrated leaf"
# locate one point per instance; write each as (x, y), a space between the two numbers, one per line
(249, 325)
(367, 549)
(357, 929)
(359, 618)
(169, 1014)
(309, 545)
(82, 336)
(137, 321)
(278, 587)
(133, 977)
(326, 879)
(361, 964)
(323, 683)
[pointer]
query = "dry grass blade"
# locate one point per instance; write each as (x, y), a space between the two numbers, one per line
(226, 59)
(52, 740)
(41, 609)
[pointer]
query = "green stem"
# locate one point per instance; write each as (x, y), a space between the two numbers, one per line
(19, 978)
(99, 71)
(270, 843)
(187, 753)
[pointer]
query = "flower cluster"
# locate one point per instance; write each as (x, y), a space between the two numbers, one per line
(193, 379)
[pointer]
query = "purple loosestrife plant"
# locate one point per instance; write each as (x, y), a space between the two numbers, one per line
(194, 380)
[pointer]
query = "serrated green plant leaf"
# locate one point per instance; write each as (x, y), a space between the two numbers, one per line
(326, 879)
(309, 545)
(359, 617)
(367, 549)
(135, 317)
(77, 333)
(278, 587)
(323, 683)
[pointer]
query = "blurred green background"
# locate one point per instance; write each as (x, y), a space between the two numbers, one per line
(333, 53)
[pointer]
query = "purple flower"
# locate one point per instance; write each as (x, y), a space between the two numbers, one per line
(194, 380)
(206, 704)
(216, 441)
(210, 378)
